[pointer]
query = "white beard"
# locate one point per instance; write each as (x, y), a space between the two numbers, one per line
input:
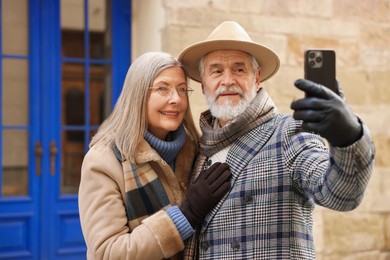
(227, 111)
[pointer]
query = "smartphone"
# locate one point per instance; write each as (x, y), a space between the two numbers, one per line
(320, 67)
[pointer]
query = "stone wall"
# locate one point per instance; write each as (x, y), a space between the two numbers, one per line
(359, 31)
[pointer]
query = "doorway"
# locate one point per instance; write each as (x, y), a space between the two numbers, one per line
(62, 66)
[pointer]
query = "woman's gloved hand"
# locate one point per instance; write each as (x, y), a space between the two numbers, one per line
(204, 194)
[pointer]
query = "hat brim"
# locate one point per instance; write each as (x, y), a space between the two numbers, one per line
(191, 56)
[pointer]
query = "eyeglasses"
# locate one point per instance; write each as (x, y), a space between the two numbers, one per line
(167, 91)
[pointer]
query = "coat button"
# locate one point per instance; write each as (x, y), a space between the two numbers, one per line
(248, 199)
(209, 162)
(204, 246)
(235, 246)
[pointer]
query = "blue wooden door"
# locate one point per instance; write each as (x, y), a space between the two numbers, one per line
(61, 70)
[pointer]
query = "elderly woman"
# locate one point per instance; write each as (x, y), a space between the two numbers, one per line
(133, 197)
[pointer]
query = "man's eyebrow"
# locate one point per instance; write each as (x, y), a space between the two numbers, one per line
(215, 65)
(218, 65)
(239, 63)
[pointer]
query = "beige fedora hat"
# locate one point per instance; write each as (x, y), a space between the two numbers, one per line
(229, 35)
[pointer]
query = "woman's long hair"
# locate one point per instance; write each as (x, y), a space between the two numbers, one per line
(127, 123)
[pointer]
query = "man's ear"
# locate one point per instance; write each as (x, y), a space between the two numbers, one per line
(258, 79)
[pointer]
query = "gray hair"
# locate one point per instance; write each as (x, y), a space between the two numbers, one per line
(127, 123)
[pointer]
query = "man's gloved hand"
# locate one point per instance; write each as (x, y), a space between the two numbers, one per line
(207, 190)
(324, 112)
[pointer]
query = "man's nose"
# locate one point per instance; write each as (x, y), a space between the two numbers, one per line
(228, 78)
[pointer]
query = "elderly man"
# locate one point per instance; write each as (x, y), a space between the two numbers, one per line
(279, 163)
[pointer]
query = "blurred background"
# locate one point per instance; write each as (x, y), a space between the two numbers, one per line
(62, 67)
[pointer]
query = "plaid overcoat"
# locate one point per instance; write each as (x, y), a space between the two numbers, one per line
(279, 174)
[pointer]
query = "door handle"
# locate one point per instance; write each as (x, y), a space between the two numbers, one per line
(53, 151)
(38, 151)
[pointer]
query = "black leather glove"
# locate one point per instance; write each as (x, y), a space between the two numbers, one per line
(324, 112)
(207, 190)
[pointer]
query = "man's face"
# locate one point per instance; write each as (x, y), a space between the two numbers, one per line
(229, 83)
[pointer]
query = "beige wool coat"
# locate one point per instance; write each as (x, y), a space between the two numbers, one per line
(102, 205)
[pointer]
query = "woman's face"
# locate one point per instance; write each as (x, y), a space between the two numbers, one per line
(166, 113)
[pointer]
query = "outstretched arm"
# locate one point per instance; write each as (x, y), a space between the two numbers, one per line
(336, 178)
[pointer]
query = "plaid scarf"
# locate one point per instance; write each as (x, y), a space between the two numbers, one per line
(213, 140)
(261, 110)
(145, 193)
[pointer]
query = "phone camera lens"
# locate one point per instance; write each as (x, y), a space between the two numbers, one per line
(312, 63)
(318, 59)
(312, 55)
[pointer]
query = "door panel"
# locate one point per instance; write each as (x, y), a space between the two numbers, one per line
(57, 75)
(75, 72)
(19, 201)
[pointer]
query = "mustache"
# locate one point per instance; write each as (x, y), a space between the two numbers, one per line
(232, 89)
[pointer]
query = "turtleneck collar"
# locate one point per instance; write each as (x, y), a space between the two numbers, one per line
(169, 149)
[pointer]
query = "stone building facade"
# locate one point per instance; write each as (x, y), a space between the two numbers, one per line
(359, 32)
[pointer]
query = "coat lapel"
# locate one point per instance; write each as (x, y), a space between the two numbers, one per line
(240, 154)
